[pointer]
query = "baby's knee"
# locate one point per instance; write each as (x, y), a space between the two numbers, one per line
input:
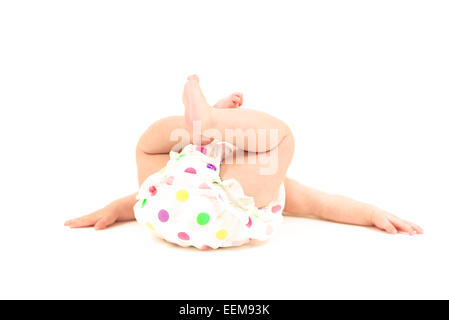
(286, 147)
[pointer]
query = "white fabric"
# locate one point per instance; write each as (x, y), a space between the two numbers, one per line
(187, 203)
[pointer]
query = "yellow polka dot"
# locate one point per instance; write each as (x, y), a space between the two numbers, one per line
(149, 225)
(222, 234)
(182, 195)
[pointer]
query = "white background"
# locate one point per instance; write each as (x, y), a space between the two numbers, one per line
(363, 85)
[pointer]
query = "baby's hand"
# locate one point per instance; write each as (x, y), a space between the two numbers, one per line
(100, 219)
(392, 224)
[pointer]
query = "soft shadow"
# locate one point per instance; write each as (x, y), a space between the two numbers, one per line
(170, 245)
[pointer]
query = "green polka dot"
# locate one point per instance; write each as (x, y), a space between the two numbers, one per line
(202, 218)
(180, 156)
(143, 203)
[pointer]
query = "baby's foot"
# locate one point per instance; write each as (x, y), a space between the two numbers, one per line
(235, 100)
(197, 110)
(192, 77)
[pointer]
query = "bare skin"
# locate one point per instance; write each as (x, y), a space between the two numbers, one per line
(234, 100)
(152, 153)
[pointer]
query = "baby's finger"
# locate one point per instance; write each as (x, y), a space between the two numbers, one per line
(402, 225)
(84, 221)
(105, 222)
(386, 225)
(417, 228)
(68, 222)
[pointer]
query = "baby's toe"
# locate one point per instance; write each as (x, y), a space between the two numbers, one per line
(193, 77)
(237, 99)
(240, 95)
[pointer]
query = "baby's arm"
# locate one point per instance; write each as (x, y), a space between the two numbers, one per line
(301, 200)
(118, 210)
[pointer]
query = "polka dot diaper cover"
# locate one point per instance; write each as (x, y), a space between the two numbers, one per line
(187, 203)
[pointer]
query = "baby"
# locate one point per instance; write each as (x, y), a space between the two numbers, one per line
(228, 183)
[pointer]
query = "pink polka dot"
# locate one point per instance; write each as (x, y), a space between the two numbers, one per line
(276, 208)
(221, 198)
(201, 149)
(250, 223)
(183, 236)
(152, 190)
(163, 215)
(169, 180)
(190, 170)
(204, 186)
(205, 248)
(269, 230)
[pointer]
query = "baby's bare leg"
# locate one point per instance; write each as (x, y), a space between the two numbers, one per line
(259, 134)
(163, 135)
(154, 146)
(244, 128)
(259, 179)
(155, 143)
(262, 187)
